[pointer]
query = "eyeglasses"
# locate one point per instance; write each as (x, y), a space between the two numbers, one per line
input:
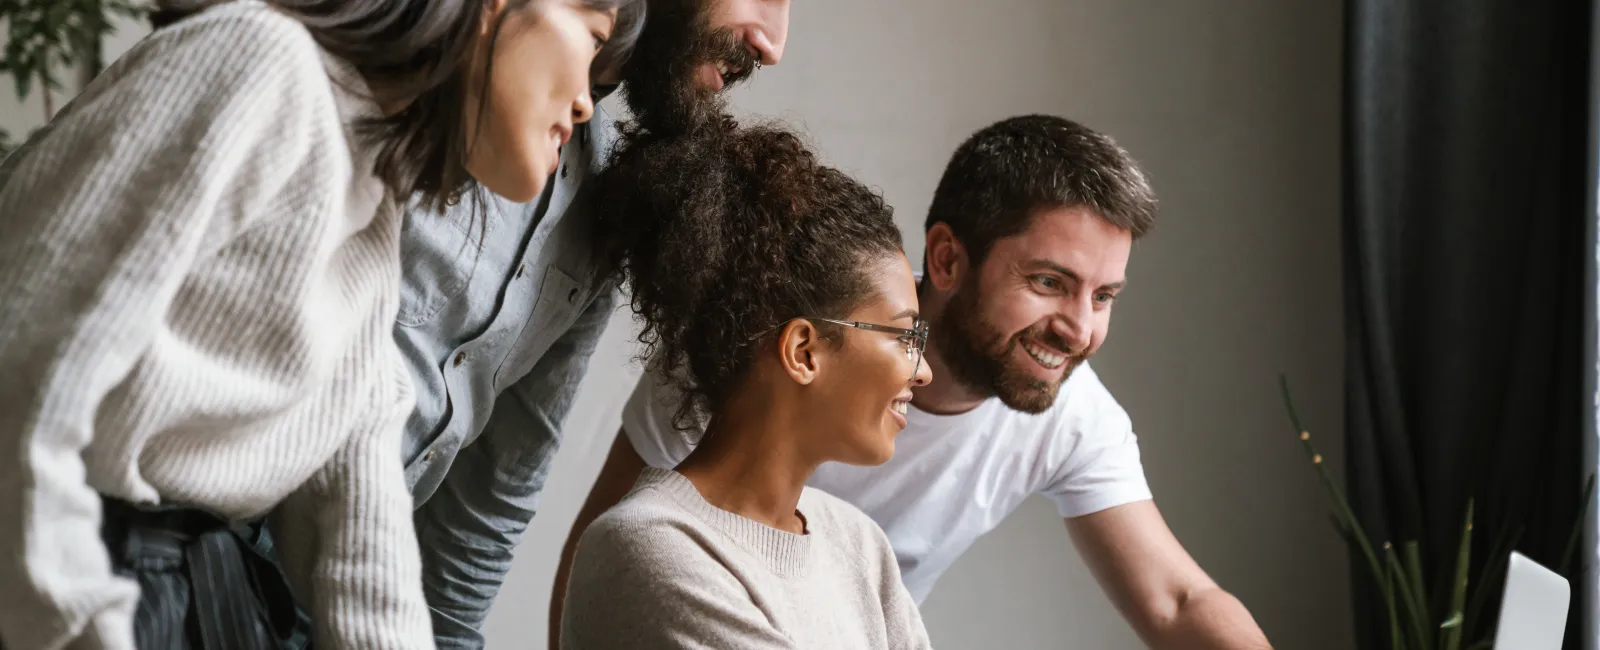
(915, 339)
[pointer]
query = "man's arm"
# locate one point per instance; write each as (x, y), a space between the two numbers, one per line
(471, 525)
(617, 476)
(1158, 587)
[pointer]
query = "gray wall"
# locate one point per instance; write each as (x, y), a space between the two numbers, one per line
(1232, 106)
(18, 117)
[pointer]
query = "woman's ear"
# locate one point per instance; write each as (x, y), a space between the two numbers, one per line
(798, 346)
(946, 258)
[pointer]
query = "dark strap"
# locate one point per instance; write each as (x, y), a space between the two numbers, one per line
(231, 590)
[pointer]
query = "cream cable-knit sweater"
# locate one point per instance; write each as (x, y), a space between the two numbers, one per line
(198, 277)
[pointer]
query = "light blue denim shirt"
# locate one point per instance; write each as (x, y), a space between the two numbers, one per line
(498, 335)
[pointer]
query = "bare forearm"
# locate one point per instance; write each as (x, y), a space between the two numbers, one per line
(1209, 620)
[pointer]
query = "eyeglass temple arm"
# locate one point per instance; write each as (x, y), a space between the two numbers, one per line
(874, 327)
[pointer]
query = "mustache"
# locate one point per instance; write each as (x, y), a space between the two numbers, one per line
(724, 46)
(1042, 333)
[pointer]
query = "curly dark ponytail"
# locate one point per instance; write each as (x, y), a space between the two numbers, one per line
(725, 232)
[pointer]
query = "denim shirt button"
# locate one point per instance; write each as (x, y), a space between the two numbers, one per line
(520, 269)
(461, 357)
(572, 296)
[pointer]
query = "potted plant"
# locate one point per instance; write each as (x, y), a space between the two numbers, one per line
(45, 37)
(1398, 571)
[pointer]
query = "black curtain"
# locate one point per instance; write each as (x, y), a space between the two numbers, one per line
(1465, 247)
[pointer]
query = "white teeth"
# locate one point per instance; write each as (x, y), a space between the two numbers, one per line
(1046, 359)
(722, 68)
(898, 407)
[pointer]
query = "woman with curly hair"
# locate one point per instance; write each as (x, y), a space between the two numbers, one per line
(775, 292)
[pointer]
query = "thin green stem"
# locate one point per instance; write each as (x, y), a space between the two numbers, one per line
(1397, 640)
(1458, 592)
(1342, 508)
(1493, 570)
(1413, 562)
(1415, 613)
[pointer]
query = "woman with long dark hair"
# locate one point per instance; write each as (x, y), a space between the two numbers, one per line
(774, 291)
(199, 273)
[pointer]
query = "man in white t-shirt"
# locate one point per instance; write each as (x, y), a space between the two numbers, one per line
(1027, 243)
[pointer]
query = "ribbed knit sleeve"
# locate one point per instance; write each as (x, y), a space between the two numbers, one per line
(193, 137)
(347, 535)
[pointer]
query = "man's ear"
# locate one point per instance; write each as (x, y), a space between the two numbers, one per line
(946, 258)
(798, 346)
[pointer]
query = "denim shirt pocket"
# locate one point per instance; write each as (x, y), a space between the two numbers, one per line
(561, 298)
(438, 255)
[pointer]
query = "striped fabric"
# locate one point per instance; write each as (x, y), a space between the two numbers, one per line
(202, 587)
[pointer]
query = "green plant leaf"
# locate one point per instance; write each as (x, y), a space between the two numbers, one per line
(45, 35)
(127, 9)
(1343, 531)
(1451, 640)
(1397, 640)
(1413, 564)
(1416, 615)
(1490, 578)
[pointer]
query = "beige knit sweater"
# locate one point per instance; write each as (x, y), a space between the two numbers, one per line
(198, 277)
(666, 570)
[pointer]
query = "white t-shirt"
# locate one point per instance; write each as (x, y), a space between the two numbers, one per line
(954, 478)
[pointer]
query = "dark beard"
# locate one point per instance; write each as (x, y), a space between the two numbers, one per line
(978, 355)
(658, 81)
